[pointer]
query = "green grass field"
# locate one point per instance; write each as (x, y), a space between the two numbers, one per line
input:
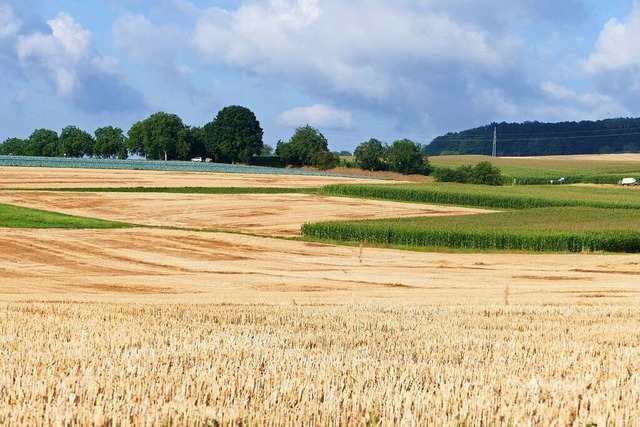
(540, 170)
(19, 217)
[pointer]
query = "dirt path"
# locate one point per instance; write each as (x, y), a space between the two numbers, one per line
(152, 265)
(266, 214)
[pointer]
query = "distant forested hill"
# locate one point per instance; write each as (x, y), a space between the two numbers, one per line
(543, 139)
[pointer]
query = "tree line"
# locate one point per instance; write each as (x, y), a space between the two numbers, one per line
(106, 142)
(233, 136)
(542, 139)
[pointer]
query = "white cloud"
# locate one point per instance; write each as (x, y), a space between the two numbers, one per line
(571, 105)
(145, 41)
(75, 40)
(495, 100)
(182, 8)
(617, 45)
(106, 64)
(317, 115)
(59, 52)
(367, 56)
(9, 23)
(67, 57)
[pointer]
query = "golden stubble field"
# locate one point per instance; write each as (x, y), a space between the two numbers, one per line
(152, 326)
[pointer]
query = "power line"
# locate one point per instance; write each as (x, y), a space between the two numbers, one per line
(505, 138)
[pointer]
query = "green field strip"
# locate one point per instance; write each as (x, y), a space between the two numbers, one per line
(505, 197)
(540, 170)
(12, 216)
(575, 229)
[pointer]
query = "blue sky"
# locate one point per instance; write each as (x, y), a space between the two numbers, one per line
(355, 69)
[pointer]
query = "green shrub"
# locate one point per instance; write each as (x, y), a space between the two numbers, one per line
(325, 160)
(483, 173)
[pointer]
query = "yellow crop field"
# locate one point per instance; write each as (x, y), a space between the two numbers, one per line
(158, 326)
(136, 364)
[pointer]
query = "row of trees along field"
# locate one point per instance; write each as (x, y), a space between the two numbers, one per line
(107, 142)
(234, 136)
(540, 139)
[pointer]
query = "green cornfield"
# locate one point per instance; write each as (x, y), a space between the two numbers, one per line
(536, 230)
(507, 197)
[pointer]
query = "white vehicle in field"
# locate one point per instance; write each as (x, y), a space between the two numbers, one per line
(628, 181)
(196, 159)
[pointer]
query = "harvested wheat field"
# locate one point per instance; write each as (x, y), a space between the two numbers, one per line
(154, 265)
(141, 364)
(152, 326)
(269, 214)
(35, 177)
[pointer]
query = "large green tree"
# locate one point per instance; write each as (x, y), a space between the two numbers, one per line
(372, 155)
(161, 136)
(13, 147)
(303, 147)
(405, 156)
(75, 142)
(234, 135)
(43, 142)
(110, 143)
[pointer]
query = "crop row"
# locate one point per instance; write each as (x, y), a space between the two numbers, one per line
(560, 242)
(492, 197)
(538, 230)
(54, 162)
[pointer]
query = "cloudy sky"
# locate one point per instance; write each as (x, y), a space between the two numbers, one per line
(353, 69)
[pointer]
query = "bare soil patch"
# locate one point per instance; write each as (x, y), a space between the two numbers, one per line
(31, 177)
(269, 214)
(154, 265)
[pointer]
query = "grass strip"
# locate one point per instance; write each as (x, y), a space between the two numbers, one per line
(19, 217)
(580, 229)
